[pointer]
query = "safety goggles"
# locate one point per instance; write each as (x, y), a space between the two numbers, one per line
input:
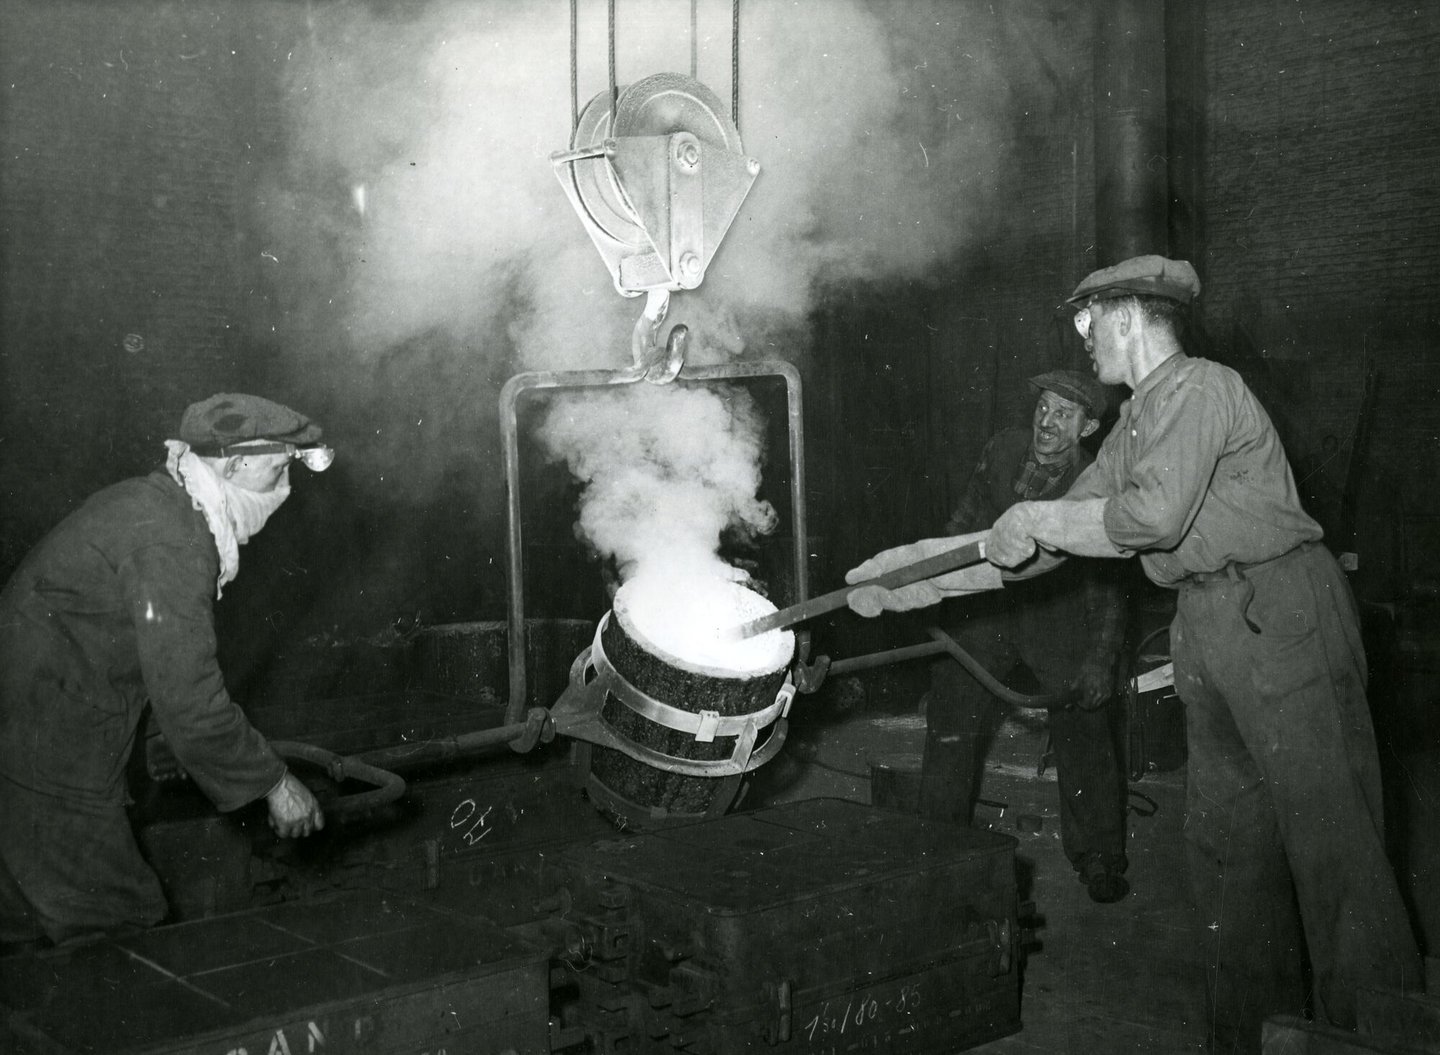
(317, 458)
(1082, 322)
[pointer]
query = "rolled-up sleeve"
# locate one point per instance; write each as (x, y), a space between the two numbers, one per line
(1173, 450)
(170, 592)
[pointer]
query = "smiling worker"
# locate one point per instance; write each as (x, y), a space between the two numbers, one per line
(114, 608)
(1065, 629)
(1283, 776)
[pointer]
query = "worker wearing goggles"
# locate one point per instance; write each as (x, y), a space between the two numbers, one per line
(316, 458)
(1283, 827)
(110, 619)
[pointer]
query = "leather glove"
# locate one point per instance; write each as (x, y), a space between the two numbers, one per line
(293, 809)
(1011, 543)
(870, 601)
(1094, 685)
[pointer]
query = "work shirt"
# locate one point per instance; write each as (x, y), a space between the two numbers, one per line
(1195, 475)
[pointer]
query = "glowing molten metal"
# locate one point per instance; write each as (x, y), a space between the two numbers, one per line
(683, 618)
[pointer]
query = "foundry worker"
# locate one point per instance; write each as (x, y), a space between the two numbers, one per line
(114, 608)
(1283, 778)
(1066, 629)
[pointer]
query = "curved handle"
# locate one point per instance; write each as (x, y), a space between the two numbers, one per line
(387, 786)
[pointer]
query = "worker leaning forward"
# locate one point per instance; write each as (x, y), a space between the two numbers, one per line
(114, 608)
(1283, 777)
(1065, 630)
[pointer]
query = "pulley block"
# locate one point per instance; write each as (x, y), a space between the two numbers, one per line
(657, 179)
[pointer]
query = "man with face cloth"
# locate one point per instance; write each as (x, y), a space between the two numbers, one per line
(1283, 789)
(112, 610)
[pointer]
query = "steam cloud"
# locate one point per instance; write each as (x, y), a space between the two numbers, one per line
(422, 233)
(666, 470)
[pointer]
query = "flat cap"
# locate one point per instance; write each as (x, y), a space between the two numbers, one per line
(1152, 276)
(1074, 386)
(232, 417)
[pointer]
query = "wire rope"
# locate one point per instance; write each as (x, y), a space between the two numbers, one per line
(574, 73)
(735, 63)
(613, 94)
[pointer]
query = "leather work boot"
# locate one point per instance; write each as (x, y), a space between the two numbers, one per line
(1103, 878)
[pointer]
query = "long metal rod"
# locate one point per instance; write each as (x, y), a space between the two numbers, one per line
(883, 659)
(443, 749)
(521, 384)
(1048, 700)
(959, 557)
(943, 644)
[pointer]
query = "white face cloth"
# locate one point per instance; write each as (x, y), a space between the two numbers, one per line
(250, 509)
(233, 514)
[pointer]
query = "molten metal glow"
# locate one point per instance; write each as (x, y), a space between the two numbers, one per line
(682, 617)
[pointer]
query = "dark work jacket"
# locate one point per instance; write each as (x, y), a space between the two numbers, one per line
(115, 606)
(1075, 611)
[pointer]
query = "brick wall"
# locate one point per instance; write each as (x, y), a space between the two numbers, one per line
(1323, 236)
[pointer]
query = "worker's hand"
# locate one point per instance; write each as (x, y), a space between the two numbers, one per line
(293, 809)
(1012, 541)
(870, 601)
(1093, 685)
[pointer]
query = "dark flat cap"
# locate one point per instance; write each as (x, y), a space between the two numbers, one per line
(1074, 386)
(1152, 276)
(232, 417)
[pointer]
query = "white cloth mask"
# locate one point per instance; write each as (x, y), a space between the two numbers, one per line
(250, 509)
(232, 513)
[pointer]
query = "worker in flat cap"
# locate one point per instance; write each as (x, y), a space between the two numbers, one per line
(1063, 632)
(111, 612)
(1284, 805)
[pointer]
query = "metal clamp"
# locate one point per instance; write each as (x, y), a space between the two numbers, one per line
(593, 680)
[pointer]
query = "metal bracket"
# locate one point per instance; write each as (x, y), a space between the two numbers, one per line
(578, 714)
(531, 383)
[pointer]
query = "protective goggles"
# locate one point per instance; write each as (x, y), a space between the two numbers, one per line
(1082, 322)
(317, 458)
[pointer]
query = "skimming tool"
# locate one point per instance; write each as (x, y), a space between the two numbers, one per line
(950, 560)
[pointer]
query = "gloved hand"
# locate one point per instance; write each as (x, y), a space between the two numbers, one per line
(1094, 684)
(1011, 543)
(293, 809)
(870, 601)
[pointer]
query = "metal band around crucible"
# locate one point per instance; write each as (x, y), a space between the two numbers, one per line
(577, 714)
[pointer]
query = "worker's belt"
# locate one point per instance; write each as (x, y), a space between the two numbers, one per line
(1240, 572)
(1237, 570)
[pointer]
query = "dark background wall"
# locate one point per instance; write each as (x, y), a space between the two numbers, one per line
(140, 143)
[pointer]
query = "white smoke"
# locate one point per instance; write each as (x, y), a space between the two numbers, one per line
(665, 471)
(421, 227)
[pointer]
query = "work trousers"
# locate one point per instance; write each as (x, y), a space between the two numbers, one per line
(959, 719)
(1283, 798)
(70, 869)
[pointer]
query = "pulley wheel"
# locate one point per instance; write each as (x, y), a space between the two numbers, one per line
(594, 179)
(670, 102)
(654, 106)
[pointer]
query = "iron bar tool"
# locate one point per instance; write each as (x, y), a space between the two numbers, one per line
(949, 560)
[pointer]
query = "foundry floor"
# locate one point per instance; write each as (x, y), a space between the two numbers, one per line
(1112, 978)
